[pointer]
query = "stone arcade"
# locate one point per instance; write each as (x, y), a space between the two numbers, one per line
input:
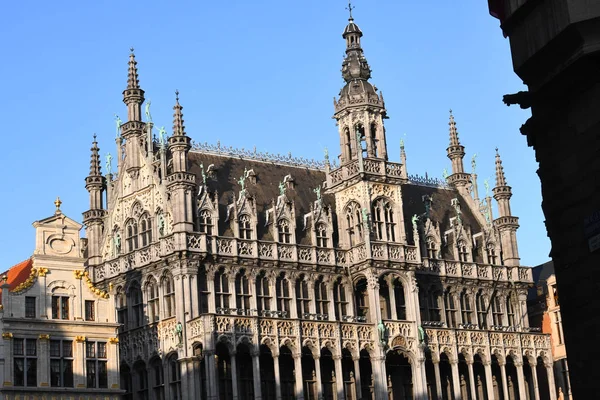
(240, 275)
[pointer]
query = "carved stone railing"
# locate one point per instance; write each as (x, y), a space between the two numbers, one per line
(370, 166)
(144, 341)
(394, 252)
(488, 272)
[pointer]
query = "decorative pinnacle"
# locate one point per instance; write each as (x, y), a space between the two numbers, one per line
(95, 159)
(350, 8)
(57, 203)
(132, 74)
(500, 178)
(453, 132)
(178, 127)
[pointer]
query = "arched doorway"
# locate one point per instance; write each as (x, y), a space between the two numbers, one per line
(309, 375)
(328, 375)
(497, 378)
(286, 373)
(126, 381)
(366, 375)
(140, 381)
(267, 373)
(542, 375)
(349, 376)
(480, 380)
(224, 371)
(245, 381)
(399, 375)
(430, 377)
(528, 379)
(446, 378)
(512, 383)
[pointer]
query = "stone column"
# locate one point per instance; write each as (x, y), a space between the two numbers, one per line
(43, 365)
(357, 376)
(277, 376)
(504, 381)
(195, 306)
(252, 291)
(551, 384)
(419, 379)
(393, 311)
(256, 373)
(212, 384)
(521, 380)
(380, 377)
(210, 285)
(438, 379)
(197, 376)
(298, 374)
(317, 359)
(472, 380)
(339, 376)
(331, 303)
(234, 380)
(536, 387)
(489, 386)
(455, 380)
(113, 362)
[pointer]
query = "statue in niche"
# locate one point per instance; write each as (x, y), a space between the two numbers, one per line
(382, 334)
(161, 224)
(179, 333)
(117, 243)
(414, 220)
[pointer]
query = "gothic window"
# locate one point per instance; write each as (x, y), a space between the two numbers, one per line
(423, 304)
(137, 304)
(283, 231)
(284, 297)
(384, 299)
(145, 230)
(362, 144)
(302, 298)
(24, 362)
(174, 378)
(361, 295)
(141, 381)
(168, 285)
(245, 227)
(497, 311)
(374, 141)
(400, 299)
(61, 363)
(348, 143)
(435, 307)
(205, 222)
(321, 299)
(322, 239)
(131, 229)
(158, 384)
(463, 252)
(465, 307)
(263, 295)
(510, 311)
(242, 291)
(126, 382)
(383, 220)
(221, 291)
(450, 306)
(481, 312)
(339, 299)
(203, 291)
(491, 254)
(153, 300)
(121, 303)
(354, 223)
(431, 247)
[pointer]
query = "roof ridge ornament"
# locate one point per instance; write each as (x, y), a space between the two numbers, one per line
(350, 8)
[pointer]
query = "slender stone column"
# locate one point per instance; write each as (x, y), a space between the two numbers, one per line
(234, 380)
(318, 373)
(551, 384)
(536, 387)
(521, 380)
(299, 380)
(438, 379)
(419, 379)
(455, 380)
(277, 376)
(339, 376)
(195, 306)
(472, 380)
(394, 312)
(504, 382)
(256, 373)
(357, 377)
(212, 384)
(489, 385)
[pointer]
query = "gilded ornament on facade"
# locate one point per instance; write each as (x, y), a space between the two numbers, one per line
(44, 336)
(113, 340)
(80, 339)
(42, 271)
(28, 283)
(7, 335)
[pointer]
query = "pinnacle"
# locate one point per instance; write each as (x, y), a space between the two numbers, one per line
(132, 73)
(500, 178)
(95, 168)
(453, 131)
(178, 127)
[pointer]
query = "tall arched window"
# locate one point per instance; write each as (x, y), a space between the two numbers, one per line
(400, 299)
(322, 240)
(450, 306)
(354, 223)
(158, 384)
(362, 144)
(153, 303)
(137, 305)
(221, 291)
(361, 296)
(463, 252)
(321, 299)
(491, 254)
(302, 298)
(435, 306)
(510, 310)
(497, 311)
(284, 297)
(263, 295)
(481, 311)
(132, 235)
(242, 291)
(374, 141)
(465, 307)
(145, 230)
(245, 227)
(203, 292)
(205, 222)
(174, 378)
(121, 304)
(169, 295)
(348, 139)
(141, 381)
(431, 247)
(283, 231)
(383, 220)
(339, 298)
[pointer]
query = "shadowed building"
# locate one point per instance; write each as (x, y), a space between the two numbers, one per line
(242, 275)
(556, 52)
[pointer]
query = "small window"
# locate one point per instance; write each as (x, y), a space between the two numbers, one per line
(205, 222)
(60, 307)
(96, 365)
(322, 240)
(29, 307)
(61, 363)
(245, 228)
(283, 229)
(25, 362)
(90, 311)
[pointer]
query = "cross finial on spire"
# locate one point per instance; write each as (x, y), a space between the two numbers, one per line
(177, 95)
(350, 8)
(131, 49)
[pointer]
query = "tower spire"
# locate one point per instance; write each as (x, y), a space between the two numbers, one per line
(133, 95)
(456, 153)
(178, 127)
(133, 81)
(500, 178)
(506, 223)
(453, 131)
(350, 8)
(95, 184)
(95, 167)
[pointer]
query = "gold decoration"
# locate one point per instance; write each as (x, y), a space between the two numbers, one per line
(1, 307)
(7, 335)
(44, 336)
(80, 339)
(42, 271)
(114, 340)
(98, 292)
(28, 282)
(57, 203)
(78, 274)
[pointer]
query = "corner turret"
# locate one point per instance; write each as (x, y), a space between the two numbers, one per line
(506, 223)
(456, 153)
(95, 184)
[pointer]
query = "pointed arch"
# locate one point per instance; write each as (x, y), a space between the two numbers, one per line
(384, 220)
(152, 299)
(145, 224)
(354, 223)
(168, 288)
(284, 295)
(131, 232)
(284, 231)
(245, 226)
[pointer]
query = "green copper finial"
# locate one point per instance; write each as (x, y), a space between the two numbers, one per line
(281, 188)
(486, 183)
(162, 137)
(326, 154)
(203, 173)
(445, 173)
(242, 180)
(131, 50)
(350, 8)
(401, 143)
(147, 111)
(474, 162)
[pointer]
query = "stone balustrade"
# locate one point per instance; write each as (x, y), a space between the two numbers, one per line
(488, 272)
(371, 167)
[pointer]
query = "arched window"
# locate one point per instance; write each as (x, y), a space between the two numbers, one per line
(362, 300)
(431, 247)
(497, 311)
(263, 295)
(339, 299)
(465, 307)
(510, 310)
(348, 143)
(435, 306)
(137, 305)
(141, 381)
(145, 230)
(169, 295)
(354, 223)
(242, 291)
(203, 291)
(321, 299)
(121, 304)
(284, 297)
(400, 299)
(245, 227)
(302, 298)
(132, 235)
(362, 144)
(205, 222)
(221, 292)
(491, 254)
(283, 230)
(158, 384)
(322, 240)
(374, 141)
(383, 220)
(153, 303)
(463, 252)
(450, 306)
(481, 311)
(126, 384)
(174, 378)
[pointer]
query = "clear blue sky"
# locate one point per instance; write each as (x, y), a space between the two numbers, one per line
(251, 73)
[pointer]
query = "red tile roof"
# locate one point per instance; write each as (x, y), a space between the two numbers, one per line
(18, 274)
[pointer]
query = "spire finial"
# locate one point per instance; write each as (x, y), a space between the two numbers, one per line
(132, 73)
(350, 8)
(178, 128)
(57, 203)
(177, 95)
(500, 178)
(453, 131)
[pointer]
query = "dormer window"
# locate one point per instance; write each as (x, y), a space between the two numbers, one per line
(283, 230)
(463, 253)
(322, 240)
(205, 222)
(491, 253)
(431, 248)
(245, 227)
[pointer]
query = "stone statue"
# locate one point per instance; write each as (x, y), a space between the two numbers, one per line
(162, 136)
(117, 243)
(487, 215)
(486, 183)
(365, 215)
(474, 162)
(242, 180)
(456, 206)
(382, 333)
(203, 173)
(109, 158)
(119, 123)
(147, 111)
(179, 332)
(415, 219)
(421, 334)
(161, 224)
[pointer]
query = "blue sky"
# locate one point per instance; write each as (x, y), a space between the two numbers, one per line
(251, 73)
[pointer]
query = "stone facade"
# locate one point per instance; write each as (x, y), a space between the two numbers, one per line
(239, 275)
(58, 330)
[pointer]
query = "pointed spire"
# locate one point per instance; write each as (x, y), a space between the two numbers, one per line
(178, 127)
(500, 178)
(95, 159)
(453, 131)
(132, 74)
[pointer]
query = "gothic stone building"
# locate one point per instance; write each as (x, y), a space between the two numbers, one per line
(239, 275)
(59, 335)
